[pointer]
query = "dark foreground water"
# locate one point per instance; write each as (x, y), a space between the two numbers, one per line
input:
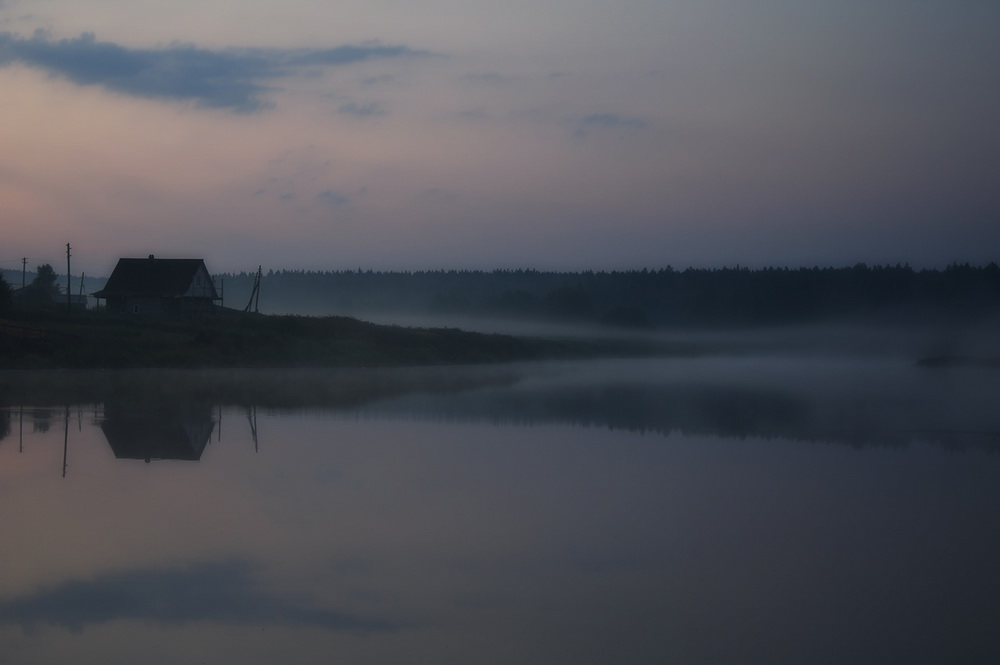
(730, 510)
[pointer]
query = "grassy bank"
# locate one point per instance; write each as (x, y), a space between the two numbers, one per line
(96, 340)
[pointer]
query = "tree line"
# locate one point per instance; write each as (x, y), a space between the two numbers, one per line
(632, 298)
(640, 298)
(41, 293)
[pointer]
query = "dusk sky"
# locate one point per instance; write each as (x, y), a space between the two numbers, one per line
(548, 134)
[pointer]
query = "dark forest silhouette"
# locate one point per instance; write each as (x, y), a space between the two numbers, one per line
(41, 293)
(642, 298)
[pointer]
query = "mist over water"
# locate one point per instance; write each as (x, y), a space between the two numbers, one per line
(737, 508)
(809, 395)
(931, 339)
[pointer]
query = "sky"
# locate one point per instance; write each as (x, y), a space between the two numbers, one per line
(547, 134)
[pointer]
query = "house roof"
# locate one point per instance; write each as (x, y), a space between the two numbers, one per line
(154, 277)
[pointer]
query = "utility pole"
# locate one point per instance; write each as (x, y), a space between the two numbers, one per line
(255, 293)
(69, 285)
(256, 305)
(24, 269)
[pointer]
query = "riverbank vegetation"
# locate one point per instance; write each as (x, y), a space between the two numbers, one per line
(53, 339)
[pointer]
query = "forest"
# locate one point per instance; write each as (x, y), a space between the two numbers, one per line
(636, 299)
(665, 298)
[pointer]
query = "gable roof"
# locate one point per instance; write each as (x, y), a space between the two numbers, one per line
(154, 277)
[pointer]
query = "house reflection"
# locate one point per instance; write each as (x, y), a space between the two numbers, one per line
(138, 430)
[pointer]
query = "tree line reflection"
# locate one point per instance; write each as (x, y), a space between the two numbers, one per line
(706, 410)
(172, 415)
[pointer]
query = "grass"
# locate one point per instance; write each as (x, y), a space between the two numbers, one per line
(78, 340)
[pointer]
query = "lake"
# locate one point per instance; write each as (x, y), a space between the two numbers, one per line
(742, 509)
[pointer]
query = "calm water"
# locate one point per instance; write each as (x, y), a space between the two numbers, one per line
(728, 510)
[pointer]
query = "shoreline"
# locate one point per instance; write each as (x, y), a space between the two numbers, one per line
(90, 340)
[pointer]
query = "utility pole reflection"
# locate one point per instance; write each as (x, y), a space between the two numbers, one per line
(252, 417)
(65, 439)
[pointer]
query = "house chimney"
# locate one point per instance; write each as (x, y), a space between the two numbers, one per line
(150, 257)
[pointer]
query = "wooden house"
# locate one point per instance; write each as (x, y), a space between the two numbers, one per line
(159, 287)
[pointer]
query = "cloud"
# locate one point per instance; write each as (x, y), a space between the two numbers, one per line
(602, 121)
(613, 121)
(333, 198)
(232, 79)
(222, 592)
(383, 79)
(370, 109)
(345, 55)
(488, 78)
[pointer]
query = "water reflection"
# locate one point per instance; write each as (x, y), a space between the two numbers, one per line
(158, 431)
(716, 410)
(172, 414)
(227, 592)
(584, 513)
